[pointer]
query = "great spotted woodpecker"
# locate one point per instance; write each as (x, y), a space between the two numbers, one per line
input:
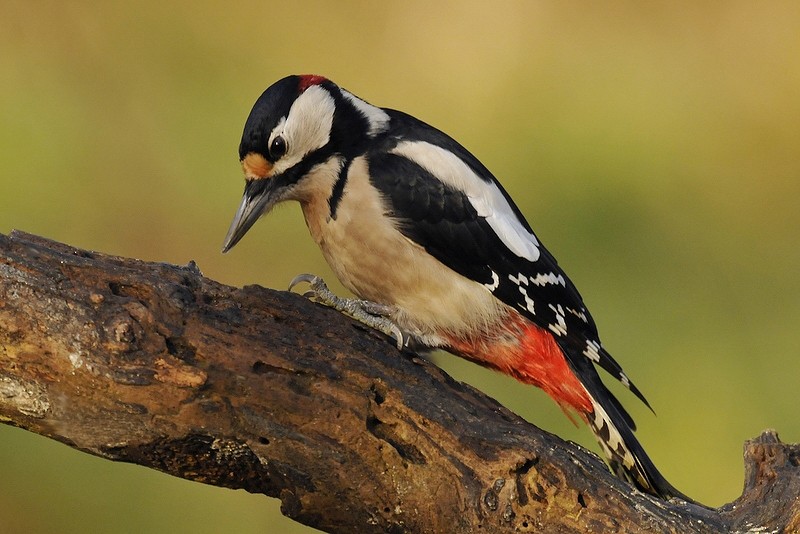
(435, 249)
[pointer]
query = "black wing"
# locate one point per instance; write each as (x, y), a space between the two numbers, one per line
(442, 217)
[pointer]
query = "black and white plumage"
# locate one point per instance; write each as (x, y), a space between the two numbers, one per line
(412, 221)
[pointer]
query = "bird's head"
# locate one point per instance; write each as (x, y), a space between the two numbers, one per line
(296, 125)
(290, 121)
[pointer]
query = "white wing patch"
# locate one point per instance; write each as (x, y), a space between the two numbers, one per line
(485, 197)
(377, 118)
(522, 283)
(495, 282)
(580, 314)
(542, 279)
(560, 326)
(592, 350)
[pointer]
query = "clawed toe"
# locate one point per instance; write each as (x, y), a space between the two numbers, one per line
(308, 278)
(372, 314)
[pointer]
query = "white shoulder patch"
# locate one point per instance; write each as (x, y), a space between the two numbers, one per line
(377, 118)
(485, 197)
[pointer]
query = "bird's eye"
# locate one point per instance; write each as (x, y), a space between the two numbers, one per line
(277, 148)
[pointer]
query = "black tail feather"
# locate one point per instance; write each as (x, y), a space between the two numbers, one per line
(613, 427)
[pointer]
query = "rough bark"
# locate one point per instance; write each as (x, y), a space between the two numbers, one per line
(263, 390)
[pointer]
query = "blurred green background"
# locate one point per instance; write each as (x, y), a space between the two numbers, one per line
(654, 148)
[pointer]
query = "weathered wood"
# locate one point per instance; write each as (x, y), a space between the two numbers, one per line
(263, 390)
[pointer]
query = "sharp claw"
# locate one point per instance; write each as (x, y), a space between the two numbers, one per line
(370, 313)
(308, 278)
(398, 335)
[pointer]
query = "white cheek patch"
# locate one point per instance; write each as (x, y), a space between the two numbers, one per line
(306, 128)
(485, 197)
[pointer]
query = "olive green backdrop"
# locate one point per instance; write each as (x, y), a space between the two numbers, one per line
(654, 148)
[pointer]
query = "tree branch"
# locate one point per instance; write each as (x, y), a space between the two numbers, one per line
(263, 390)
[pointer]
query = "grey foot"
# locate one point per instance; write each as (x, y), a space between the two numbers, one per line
(369, 313)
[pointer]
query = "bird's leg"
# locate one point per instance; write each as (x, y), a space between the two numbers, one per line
(372, 314)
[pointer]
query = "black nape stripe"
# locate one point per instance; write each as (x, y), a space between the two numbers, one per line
(338, 188)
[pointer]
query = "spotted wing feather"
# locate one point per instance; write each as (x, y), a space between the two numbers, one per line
(445, 221)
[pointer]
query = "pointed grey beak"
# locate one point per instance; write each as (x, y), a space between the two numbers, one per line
(256, 201)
